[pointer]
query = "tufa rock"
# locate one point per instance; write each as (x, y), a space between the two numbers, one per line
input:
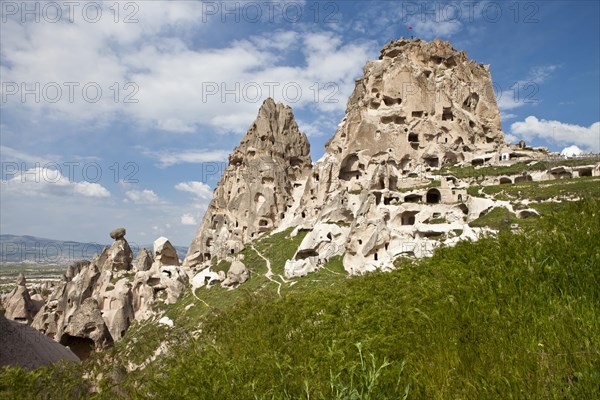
(421, 106)
(24, 346)
(118, 233)
(236, 275)
(18, 304)
(143, 261)
(164, 252)
(86, 330)
(257, 187)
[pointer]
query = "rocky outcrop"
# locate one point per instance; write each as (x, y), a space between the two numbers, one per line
(164, 252)
(143, 261)
(257, 187)
(98, 300)
(86, 329)
(236, 275)
(120, 254)
(18, 304)
(24, 346)
(421, 106)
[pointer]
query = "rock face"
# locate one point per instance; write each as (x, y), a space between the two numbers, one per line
(421, 106)
(164, 252)
(236, 275)
(257, 187)
(24, 346)
(143, 261)
(19, 306)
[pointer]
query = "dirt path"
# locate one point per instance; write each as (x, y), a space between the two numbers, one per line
(269, 273)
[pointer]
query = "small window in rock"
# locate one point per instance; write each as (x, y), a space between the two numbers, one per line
(413, 137)
(375, 256)
(417, 114)
(447, 114)
(359, 241)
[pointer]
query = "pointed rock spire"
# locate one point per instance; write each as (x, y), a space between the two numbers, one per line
(257, 186)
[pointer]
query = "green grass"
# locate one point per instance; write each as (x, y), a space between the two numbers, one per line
(518, 168)
(439, 220)
(497, 218)
(508, 317)
(585, 187)
(513, 316)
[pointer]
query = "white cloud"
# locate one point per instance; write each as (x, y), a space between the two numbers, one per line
(144, 196)
(188, 219)
(44, 182)
(105, 53)
(198, 189)
(539, 74)
(8, 154)
(571, 151)
(169, 158)
(559, 132)
(525, 91)
(506, 116)
(430, 29)
(510, 138)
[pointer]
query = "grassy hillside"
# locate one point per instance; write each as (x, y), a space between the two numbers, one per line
(515, 316)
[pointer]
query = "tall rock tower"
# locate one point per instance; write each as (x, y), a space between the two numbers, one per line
(421, 106)
(257, 187)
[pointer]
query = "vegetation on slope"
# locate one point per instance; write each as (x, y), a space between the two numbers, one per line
(514, 316)
(518, 168)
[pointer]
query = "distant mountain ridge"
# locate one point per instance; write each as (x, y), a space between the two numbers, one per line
(37, 250)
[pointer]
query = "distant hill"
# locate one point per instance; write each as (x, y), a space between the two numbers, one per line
(36, 250)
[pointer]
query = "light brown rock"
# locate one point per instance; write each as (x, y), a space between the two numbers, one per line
(256, 188)
(18, 304)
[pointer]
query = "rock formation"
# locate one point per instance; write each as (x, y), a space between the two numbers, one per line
(24, 346)
(236, 275)
(19, 305)
(164, 252)
(421, 106)
(143, 261)
(257, 187)
(120, 253)
(98, 300)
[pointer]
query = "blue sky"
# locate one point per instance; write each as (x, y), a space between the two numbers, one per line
(77, 163)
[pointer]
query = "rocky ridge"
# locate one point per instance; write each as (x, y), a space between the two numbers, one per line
(97, 300)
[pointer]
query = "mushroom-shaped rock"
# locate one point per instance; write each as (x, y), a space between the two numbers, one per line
(236, 275)
(24, 346)
(118, 233)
